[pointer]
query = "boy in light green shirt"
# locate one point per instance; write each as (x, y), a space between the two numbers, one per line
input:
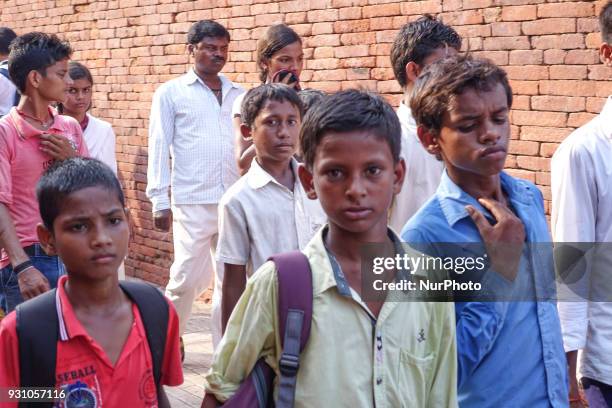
(362, 351)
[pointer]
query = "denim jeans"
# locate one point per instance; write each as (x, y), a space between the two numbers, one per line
(50, 266)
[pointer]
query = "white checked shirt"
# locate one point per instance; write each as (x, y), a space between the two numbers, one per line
(581, 180)
(259, 217)
(188, 124)
(423, 173)
(7, 92)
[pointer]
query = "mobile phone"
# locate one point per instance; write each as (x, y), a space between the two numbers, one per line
(281, 75)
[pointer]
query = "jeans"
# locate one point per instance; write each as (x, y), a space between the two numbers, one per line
(598, 394)
(50, 266)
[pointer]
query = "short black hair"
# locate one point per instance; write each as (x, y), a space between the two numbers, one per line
(348, 111)
(255, 99)
(311, 97)
(417, 40)
(436, 89)
(206, 28)
(35, 52)
(6, 36)
(69, 176)
(605, 23)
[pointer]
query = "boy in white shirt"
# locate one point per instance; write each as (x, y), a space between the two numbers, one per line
(267, 210)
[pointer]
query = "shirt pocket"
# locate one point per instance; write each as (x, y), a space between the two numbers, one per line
(414, 378)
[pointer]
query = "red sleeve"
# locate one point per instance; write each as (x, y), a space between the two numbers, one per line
(9, 356)
(172, 368)
(6, 195)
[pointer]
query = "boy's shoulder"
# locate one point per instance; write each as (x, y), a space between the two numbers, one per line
(427, 219)
(237, 193)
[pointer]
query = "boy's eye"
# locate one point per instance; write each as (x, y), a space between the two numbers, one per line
(500, 119)
(334, 174)
(272, 122)
(115, 220)
(72, 91)
(373, 170)
(292, 122)
(78, 227)
(466, 128)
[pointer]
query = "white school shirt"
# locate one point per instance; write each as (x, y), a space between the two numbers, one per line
(581, 181)
(237, 106)
(259, 217)
(100, 140)
(423, 173)
(188, 124)
(7, 92)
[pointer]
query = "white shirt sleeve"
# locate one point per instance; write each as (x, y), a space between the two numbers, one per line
(161, 135)
(233, 246)
(7, 95)
(574, 199)
(237, 105)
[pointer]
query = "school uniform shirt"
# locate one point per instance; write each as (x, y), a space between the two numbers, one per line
(7, 91)
(100, 140)
(581, 181)
(21, 165)
(510, 352)
(188, 124)
(405, 357)
(237, 106)
(83, 367)
(423, 172)
(260, 217)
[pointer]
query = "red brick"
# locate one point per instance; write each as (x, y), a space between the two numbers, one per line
(477, 30)
(476, 4)
(380, 10)
(524, 87)
(577, 57)
(595, 105)
(579, 119)
(593, 40)
(296, 18)
(558, 103)
(358, 38)
(549, 26)
(323, 40)
(506, 43)
(329, 75)
(533, 163)
(420, 7)
(544, 134)
(562, 41)
(265, 8)
(358, 74)
(576, 9)
(323, 52)
(524, 57)
(522, 174)
(351, 26)
(568, 72)
(533, 118)
(350, 13)
(317, 16)
(600, 72)
(351, 51)
(524, 147)
(521, 102)
(552, 57)
(527, 72)
(462, 17)
(323, 63)
(519, 13)
(506, 29)
(568, 88)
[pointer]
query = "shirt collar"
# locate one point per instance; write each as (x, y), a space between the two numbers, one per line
(406, 119)
(26, 130)
(69, 325)
(191, 77)
(257, 177)
(453, 199)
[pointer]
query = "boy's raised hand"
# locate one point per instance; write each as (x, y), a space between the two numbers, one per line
(32, 283)
(57, 146)
(504, 240)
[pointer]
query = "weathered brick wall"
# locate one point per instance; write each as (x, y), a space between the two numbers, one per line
(549, 49)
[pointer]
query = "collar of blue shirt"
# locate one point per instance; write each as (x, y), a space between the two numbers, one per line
(453, 199)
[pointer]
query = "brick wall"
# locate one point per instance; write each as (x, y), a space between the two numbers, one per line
(549, 49)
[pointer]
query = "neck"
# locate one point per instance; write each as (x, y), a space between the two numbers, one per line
(35, 106)
(406, 96)
(85, 294)
(348, 245)
(209, 79)
(280, 170)
(478, 186)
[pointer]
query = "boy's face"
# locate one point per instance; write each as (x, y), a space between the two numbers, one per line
(54, 85)
(90, 234)
(209, 55)
(355, 179)
(275, 131)
(78, 98)
(474, 137)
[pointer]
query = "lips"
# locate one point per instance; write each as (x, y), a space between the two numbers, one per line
(357, 213)
(103, 258)
(493, 152)
(284, 146)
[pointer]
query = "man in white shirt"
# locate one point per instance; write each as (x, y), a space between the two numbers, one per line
(418, 44)
(582, 220)
(191, 121)
(8, 90)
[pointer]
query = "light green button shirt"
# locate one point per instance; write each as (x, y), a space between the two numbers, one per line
(404, 358)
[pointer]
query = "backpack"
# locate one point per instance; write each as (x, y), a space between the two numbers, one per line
(4, 72)
(38, 353)
(294, 320)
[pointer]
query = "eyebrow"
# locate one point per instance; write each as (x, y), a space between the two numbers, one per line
(81, 218)
(468, 116)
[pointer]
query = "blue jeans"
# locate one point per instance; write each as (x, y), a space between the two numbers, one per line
(50, 266)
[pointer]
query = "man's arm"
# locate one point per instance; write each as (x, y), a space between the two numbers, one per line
(161, 136)
(31, 282)
(244, 150)
(234, 281)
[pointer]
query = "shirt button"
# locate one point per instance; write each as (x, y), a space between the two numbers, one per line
(379, 381)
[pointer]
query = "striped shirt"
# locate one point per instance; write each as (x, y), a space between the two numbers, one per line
(188, 124)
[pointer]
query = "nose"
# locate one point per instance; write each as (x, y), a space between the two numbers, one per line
(491, 132)
(102, 237)
(283, 130)
(356, 188)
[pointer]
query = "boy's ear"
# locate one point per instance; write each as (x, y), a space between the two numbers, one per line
(605, 54)
(413, 70)
(245, 131)
(190, 49)
(33, 78)
(46, 239)
(428, 140)
(399, 172)
(307, 181)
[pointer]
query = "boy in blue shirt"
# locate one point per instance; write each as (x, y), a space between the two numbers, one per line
(510, 353)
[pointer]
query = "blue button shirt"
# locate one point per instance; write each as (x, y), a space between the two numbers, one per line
(510, 353)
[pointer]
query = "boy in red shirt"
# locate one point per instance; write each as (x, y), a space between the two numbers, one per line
(32, 137)
(103, 356)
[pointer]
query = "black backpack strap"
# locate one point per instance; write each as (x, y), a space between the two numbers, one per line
(154, 312)
(38, 333)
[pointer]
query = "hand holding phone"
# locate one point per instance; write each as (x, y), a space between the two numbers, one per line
(287, 77)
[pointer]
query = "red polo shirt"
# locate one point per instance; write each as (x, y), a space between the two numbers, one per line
(21, 165)
(83, 367)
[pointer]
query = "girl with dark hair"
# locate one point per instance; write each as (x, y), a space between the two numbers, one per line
(279, 59)
(98, 134)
